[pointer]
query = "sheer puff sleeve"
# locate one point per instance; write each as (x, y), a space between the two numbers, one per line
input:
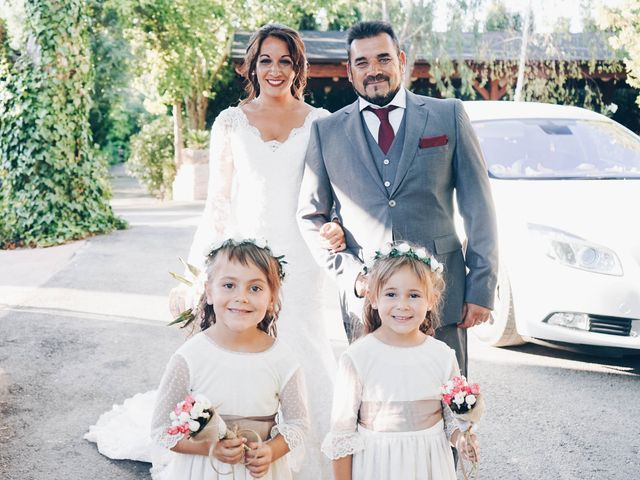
(293, 421)
(173, 389)
(343, 439)
(217, 211)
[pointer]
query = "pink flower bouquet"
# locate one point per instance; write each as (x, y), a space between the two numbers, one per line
(467, 403)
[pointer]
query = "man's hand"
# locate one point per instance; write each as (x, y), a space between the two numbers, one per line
(473, 315)
(332, 237)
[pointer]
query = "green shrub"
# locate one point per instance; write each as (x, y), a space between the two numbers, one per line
(151, 160)
(54, 186)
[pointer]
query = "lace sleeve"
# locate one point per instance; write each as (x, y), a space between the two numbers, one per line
(217, 210)
(343, 438)
(293, 422)
(173, 389)
(451, 424)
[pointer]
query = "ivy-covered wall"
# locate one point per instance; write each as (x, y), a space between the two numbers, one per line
(54, 187)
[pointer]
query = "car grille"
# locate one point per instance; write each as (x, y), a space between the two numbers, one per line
(610, 325)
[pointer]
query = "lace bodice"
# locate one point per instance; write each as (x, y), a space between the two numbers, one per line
(253, 185)
(238, 384)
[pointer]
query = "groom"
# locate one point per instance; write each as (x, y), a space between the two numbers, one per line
(389, 165)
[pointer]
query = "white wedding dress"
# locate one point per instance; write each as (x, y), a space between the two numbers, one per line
(253, 193)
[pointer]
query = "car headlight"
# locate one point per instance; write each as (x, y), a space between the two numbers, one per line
(575, 252)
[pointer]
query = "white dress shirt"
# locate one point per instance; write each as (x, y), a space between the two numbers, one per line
(395, 116)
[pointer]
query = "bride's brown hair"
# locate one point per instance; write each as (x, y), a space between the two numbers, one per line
(296, 51)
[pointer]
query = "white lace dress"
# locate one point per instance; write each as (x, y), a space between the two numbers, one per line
(240, 385)
(253, 192)
(385, 397)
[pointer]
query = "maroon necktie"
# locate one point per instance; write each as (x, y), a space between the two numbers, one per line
(385, 133)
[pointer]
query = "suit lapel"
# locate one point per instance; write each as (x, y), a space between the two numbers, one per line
(353, 129)
(415, 119)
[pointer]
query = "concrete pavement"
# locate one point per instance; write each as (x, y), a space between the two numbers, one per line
(83, 326)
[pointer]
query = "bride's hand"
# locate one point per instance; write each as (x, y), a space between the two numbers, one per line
(332, 237)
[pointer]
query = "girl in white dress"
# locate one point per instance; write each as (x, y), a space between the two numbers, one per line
(387, 417)
(251, 379)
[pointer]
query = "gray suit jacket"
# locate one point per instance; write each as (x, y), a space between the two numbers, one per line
(341, 174)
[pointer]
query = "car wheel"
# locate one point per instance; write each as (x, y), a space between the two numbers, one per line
(500, 330)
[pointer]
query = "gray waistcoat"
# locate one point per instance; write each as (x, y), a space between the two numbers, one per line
(387, 165)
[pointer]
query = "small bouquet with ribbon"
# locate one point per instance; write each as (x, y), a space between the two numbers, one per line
(467, 404)
(196, 417)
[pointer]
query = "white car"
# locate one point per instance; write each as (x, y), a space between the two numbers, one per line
(566, 184)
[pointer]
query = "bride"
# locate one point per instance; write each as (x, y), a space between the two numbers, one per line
(256, 165)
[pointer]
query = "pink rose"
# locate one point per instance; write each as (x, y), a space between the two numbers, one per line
(173, 430)
(447, 399)
(475, 388)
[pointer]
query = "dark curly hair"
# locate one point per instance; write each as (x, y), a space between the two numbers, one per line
(296, 50)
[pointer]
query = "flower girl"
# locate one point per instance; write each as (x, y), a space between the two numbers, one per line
(235, 362)
(388, 420)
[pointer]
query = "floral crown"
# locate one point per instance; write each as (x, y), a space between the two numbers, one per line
(261, 243)
(391, 250)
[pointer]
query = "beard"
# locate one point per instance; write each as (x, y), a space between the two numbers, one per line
(379, 100)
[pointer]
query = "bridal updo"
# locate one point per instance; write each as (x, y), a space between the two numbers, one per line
(296, 50)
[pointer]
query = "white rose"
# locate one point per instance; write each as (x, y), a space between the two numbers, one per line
(470, 399)
(193, 425)
(403, 248)
(196, 410)
(386, 249)
(261, 242)
(421, 253)
(173, 416)
(206, 404)
(205, 415)
(436, 266)
(459, 398)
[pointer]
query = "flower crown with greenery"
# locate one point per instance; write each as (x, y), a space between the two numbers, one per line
(198, 277)
(391, 250)
(261, 243)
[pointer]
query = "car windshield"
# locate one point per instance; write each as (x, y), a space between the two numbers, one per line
(558, 149)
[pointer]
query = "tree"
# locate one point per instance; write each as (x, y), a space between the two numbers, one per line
(625, 23)
(54, 189)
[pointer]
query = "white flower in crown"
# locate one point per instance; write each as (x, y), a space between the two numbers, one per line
(211, 247)
(403, 248)
(261, 242)
(436, 266)
(422, 254)
(386, 249)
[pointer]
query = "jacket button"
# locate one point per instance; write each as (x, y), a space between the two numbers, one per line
(392, 203)
(387, 184)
